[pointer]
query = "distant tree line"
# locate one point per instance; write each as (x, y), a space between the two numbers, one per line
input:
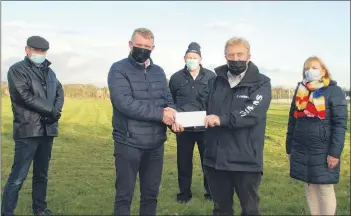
(90, 91)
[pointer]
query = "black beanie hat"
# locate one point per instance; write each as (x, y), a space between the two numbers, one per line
(194, 48)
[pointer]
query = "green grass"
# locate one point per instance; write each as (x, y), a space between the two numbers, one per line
(82, 174)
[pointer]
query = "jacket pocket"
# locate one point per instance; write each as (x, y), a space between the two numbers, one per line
(202, 83)
(210, 146)
(33, 117)
(252, 144)
(323, 133)
(240, 149)
(127, 129)
(184, 84)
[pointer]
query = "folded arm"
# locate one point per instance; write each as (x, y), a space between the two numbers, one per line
(122, 99)
(18, 82)
(254, 110)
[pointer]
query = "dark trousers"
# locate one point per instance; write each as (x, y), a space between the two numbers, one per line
(222, 185)
(38, 150)
(129, 161)
(185, 148)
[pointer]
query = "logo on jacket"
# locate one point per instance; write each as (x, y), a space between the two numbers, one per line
(242, 96)
(248, 109)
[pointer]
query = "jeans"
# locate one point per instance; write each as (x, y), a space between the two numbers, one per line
(38, 150)
(130, 161)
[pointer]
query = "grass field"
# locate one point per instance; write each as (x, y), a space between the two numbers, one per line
(82, 174)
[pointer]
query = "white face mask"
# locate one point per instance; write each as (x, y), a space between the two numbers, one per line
(192, 64)
(313, 75)
(37, 58)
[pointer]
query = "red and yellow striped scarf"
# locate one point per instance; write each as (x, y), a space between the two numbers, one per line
(309, 101)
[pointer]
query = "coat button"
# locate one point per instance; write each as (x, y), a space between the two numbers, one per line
(192, 87)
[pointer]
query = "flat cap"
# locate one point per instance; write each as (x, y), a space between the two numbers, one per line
(38, 42)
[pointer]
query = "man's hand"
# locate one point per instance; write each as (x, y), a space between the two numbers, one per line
(168, 116)
(48, 120)
(332, 161)
(212, 121)
(177, 128)
(54, 117)
(55, 114)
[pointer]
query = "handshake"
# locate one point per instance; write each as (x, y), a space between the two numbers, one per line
(169, 115)
(54, 116)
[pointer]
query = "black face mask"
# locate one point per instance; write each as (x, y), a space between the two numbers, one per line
(237, 67)
(140, 54)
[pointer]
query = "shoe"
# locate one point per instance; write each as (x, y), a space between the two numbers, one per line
(184, 198)
(208, 197)
(45, 212)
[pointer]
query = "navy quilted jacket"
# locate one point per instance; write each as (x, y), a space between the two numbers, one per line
(309, 140)
(138, 96)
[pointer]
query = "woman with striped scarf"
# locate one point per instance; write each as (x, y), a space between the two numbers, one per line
(316, 134)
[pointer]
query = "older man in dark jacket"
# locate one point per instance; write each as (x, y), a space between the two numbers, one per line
(236, 102)
(37, 99)
(142, 107)
(185, 85)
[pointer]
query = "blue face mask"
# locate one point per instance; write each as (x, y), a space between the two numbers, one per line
(313, 75)
(37, 58)
(192, 64)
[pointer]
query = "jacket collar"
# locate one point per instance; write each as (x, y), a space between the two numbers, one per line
(200, 75)
(29, 62)
(139, 65)
(252, 75)
(333, 82)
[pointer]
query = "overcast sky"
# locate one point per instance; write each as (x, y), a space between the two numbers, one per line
(87, 37)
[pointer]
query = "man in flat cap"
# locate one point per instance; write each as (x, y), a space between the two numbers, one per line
(37, 99)
(185, 85)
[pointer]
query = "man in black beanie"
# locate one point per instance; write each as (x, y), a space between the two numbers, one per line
(37, 99)
(185, 85)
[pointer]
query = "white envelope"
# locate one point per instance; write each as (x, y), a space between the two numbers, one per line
(191, 119)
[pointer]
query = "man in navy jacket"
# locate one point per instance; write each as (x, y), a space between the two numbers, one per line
(142, 109)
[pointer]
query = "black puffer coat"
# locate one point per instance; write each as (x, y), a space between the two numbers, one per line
(309, 140)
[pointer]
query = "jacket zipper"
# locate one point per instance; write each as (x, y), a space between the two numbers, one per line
(306, 158)
(148, 89)
(148, 84)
